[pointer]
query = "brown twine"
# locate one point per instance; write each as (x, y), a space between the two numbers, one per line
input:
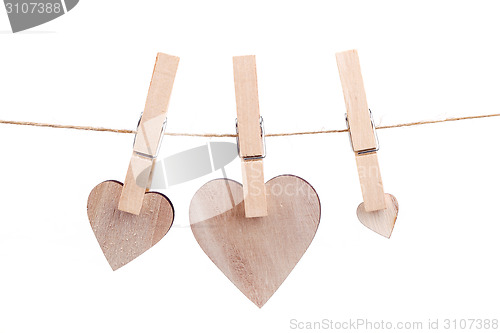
(215, 135)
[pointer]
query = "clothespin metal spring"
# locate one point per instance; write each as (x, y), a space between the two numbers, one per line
(263, 135)
(365, 151)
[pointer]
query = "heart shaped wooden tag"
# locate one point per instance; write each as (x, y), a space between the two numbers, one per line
(256, 254)
(380, 221)
(124, 236)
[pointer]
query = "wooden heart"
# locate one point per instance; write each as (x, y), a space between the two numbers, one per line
(256, 254)
(124, 236)
(380, 221)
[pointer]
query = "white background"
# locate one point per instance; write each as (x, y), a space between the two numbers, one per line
(420, 60)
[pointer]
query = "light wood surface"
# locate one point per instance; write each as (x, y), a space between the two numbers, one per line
(155, 110)
(362, 135)
(258, 254)
(361, 130)
(370, 179)
(254, 188)
(247, 106)
(124, 236)
(380, 221)
(136, 183)
(149, 132)
(250, 135)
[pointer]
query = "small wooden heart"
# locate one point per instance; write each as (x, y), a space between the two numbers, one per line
(124, 236)
(256, 254)
(380, 221)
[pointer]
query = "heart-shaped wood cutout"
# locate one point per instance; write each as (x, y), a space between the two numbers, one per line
(256, 254)
(380, 221)
(124, 236)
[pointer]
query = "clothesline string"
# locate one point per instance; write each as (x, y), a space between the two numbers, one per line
(216, 135)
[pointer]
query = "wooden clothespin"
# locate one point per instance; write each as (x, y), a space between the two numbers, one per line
(362, 131)
(379, 210)
(250, 136)
(149, 135)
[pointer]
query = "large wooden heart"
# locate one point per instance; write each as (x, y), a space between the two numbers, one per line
(124, 236)
(256, 254)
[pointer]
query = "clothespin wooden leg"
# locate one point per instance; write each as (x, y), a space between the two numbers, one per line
(371, 182)
(254, 188)
(250, 136)
(137, 182)
(149, 135)
(362, 130)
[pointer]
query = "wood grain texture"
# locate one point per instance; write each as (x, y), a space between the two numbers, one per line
(250, 135)
(380, 221)
(247, 106)
(362, 135)
(157, 100)
(137, 182)
(256, 254)
(149, 132)
(124, 236)
(371, 182)
(254, 188)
